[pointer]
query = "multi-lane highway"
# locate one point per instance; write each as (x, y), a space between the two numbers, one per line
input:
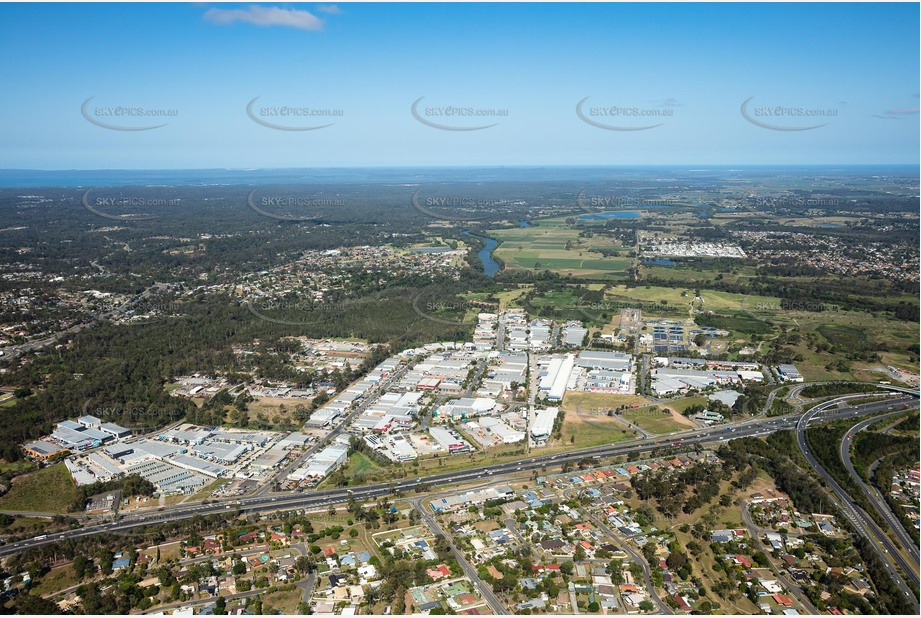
(878, 502)
(321, 499)
(865, 526)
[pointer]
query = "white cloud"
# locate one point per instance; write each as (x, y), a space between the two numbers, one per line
(898, 114)
(266, 16)
(332, 9)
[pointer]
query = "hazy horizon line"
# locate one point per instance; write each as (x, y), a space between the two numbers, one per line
(444, 167)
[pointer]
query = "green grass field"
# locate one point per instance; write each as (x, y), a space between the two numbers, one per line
(651, 298)
(697, 272)
(17, 467)
(285, 602)
(713, 300)
(507, 298)
(654, 420)
(359, 466)
(562, 298)
(49, 490)
(848, 330)
(56, 579)
(556, 246)
(842, 334)
(596, 402)
(584, 430)
(739, 323)
(680, 405)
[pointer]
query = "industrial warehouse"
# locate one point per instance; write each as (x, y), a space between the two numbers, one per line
(673, 375)
(589, 371)
(181, 459)
(465, 392)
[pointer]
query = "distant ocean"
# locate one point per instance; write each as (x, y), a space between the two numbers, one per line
(12, 178)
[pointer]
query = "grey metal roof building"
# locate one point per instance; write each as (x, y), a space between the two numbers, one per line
(574, 335)
(42, 448)
(116, 430)
(89, 421)
(612, 361)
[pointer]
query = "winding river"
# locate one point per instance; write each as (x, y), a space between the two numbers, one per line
(490, 266)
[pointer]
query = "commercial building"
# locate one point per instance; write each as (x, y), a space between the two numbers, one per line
(321, 464)
(324, 416)
(708, 417)
(42, 449)
(220, 452)
(573, 334)
(542, 426)
(556, 379)
(670, 379)
(79, 437)
(391, 412)
(185, 434)
(727, 397)
(199, 465)
(605, 381)
(102, 466)
(249, 438)
(116, 431)
(151, 449)
(512, 368)
(294, 439)
(395, 447)
(663, 386)
(90, 421)
(502, 432)
(484, 335)
(450, 440)
(268, 460)
(516, 330)
(167, 478)
(80, 474)
(401, 448)
(617, 362)
(466, 407)
(471, 498)
(789, 373)
(428, 384)
(540, 335)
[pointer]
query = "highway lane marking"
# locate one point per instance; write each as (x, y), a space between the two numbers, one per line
(606, 450)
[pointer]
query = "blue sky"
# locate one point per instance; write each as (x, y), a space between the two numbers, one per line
(688, 68)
